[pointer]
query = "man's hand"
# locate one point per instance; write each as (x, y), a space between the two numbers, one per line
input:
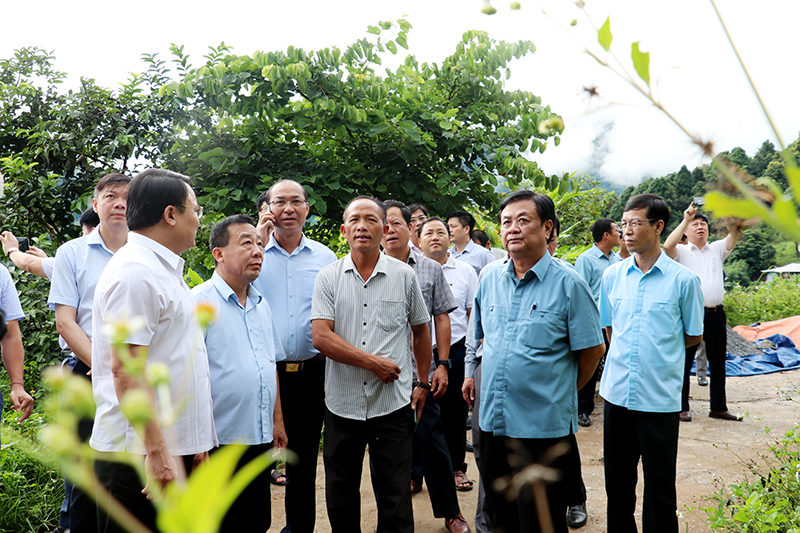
(279, 438)
(38, 252)
(386, 370)
(199, 458)
(266, 223)
(468, 390)
(162, 469)
(21, 400)
(418, 396)
(440, 382)
(8, 241)
(690, 212)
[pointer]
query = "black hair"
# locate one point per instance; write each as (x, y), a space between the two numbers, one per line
(481, 236)
(112, 179)
(151, 192)
(545, 207)
(701, 216)
(220, 234)
(370, 198)
(266, 196)
(600, 227)
(433, 219)
(418, 207)
(89, 218)
(464, 218)
(657, 208)
(405, 211)
(556, 228)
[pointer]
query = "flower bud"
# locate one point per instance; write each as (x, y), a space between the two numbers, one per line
(157, 374)
(137, 407)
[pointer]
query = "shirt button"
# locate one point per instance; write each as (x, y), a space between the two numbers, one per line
(363, 343)
(365, 323)
(365, 305)
(291, 314)
(290, 295)
(365, 286)
(365, 383)
(291, 334)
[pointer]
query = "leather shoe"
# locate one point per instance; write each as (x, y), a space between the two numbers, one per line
(685, 416)
(725, 415)
(584, 421)
(702, 381)
(576, 516)
(457, 524)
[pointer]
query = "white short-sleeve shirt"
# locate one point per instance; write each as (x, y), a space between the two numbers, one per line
(707, 264)
(463, 283)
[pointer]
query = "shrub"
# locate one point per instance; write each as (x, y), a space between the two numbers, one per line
(763, 302)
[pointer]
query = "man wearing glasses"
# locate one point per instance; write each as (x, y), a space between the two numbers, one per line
(652, 308)
(290, 266)
(419, 214)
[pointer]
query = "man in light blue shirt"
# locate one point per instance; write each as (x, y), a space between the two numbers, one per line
(291, 264)
(243, 348)
(542, 341)
(652, 308)
(461, 225)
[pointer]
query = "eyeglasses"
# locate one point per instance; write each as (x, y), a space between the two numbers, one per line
(419, 218)
(198, 210)
(280, 204)
(634, 223)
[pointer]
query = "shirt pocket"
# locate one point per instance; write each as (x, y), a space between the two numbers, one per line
(391, 314)
(308, 280)
(662, 319)
(543, 329)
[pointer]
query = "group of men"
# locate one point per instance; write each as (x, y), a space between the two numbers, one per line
(374, 345)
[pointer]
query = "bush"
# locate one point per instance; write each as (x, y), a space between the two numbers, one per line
(770, 501)
(763, 302)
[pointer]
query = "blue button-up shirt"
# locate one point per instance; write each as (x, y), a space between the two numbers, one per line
(531, 327)
(649, 313)
(287, 283)
(475, 256)
(243, 347)
(591, 264)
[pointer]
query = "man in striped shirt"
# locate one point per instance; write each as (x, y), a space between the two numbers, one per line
(361, 311)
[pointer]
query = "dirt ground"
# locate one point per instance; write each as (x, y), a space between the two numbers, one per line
(711, 452)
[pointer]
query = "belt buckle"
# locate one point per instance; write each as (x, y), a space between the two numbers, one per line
(292, 367)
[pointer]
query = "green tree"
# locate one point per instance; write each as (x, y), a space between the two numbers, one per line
(757, 253)
(765, 155)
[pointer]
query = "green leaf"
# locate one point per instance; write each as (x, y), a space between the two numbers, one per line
(604, 36)
(374, 29)
(379, 128)
(401, 40)
(641, 62)
(392, 47)
(557, 140)
(793, 177)
(723, 205)
(445, 125)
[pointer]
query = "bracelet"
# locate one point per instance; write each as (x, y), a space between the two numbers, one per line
(17, 383)
(8, 253)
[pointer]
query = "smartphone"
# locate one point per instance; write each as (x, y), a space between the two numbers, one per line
(699, 201)
(24, 246)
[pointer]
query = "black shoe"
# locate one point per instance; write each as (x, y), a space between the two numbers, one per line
(470, 447)
(584, 421)
(469, 421)
(702, 381)
(576, 516)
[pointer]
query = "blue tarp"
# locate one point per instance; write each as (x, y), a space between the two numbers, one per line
(785, 356)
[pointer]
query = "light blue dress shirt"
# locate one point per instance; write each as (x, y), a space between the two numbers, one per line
(531, 327)
(649, 314)
(287, 283)
(475, 256)
(591, 264)
(243, 347)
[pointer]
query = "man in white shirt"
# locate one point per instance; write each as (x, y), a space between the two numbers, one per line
(143, 283)
(461, 224)
(705, 259)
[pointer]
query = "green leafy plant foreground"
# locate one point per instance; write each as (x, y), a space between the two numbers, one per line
(763, 302)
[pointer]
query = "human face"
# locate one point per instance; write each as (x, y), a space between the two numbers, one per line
(396, 238)
(613, 236)
(363, 226)
(697, 231)
(523, 233)
(241, 259)
(188, 221)
(459, 234)
(288, 218)
(110, 204)
(434, 240)
(645, 236)
(417, 218)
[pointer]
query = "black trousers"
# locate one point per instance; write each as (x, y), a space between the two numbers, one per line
(455, 409)
(430, 449)
(482, 523)
(629, 435)
(251, 512)
(389, 441)
(716, 337)
(503, 457)
(303, 405)
(586, 393)
(124, 484)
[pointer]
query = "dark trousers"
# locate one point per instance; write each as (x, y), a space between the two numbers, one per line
(482, 523)
(629, 435)
(586, 393)
(716, 337)
(389, 440)
(123, 483)
(430, 449)
(303, 405)
(251, 512)
(503, 457)
(79, 508)
(455, 409)
(573, 477)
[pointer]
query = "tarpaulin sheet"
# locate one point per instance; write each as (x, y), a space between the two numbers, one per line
(784, 357)
(789, 327)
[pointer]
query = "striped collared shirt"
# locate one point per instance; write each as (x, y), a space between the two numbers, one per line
(373, 316)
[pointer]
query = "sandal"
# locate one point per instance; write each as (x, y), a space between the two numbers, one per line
(416, 488)
(276, 478)
(463, 483)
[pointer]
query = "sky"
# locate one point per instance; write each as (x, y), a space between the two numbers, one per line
(619, 137)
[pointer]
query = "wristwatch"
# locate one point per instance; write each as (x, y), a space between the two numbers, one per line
(426, 386)
(444, 362)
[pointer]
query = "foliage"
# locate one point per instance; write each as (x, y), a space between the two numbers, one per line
(763, 302)
(757, 254)
(769, 500)
(31, 489)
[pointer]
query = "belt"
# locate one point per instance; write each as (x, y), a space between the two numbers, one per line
(714, 309)
(459, 343)
(299, 366)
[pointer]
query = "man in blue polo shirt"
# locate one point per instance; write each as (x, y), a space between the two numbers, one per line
(652, 308)
(542, 341)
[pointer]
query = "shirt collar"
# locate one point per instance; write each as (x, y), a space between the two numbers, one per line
(273, 243)
(598, 252)
(172, 259)
(539, 269)
(380, 266)
(451, 261)
(94, 238)
(660, 264)
(227, 292)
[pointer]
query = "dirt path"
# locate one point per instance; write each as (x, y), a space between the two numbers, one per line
(711, 452)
